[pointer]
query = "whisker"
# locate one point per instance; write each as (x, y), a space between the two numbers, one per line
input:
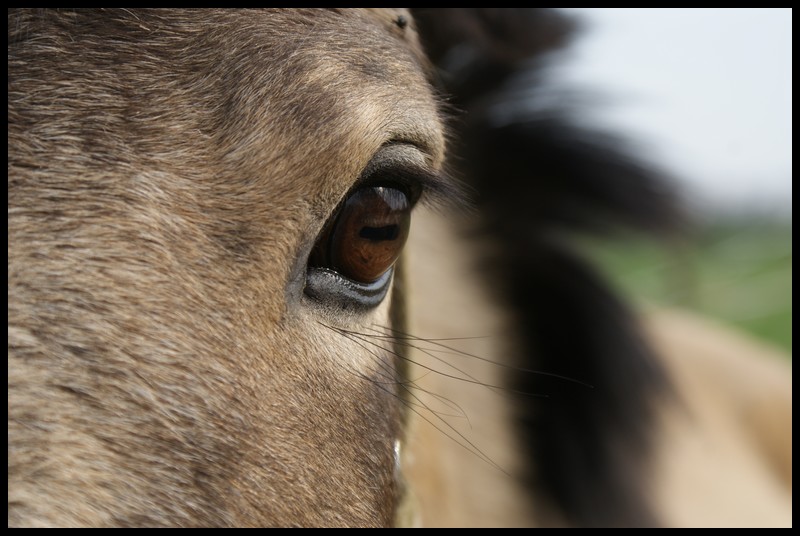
(404, 383)
(367, 336)
(458, 437)
(403, 337)
(499, 389)
(469, 446)
(469, 378)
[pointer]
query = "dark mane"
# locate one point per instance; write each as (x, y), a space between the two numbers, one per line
(541, 178)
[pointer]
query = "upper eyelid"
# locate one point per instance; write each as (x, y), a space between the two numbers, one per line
(407, 164)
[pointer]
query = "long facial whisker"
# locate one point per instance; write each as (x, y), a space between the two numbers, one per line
(404, 383)
(469, 446)
(403, 338)
(458, 437)
(498, 389)
(444, 400)
(469, 378)
(368, 338)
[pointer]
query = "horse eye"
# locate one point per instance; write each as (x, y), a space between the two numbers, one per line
(366, 236)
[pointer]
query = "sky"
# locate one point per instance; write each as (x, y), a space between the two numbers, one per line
(706, 92)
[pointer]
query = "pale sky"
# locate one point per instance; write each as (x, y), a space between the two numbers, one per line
(709, 91)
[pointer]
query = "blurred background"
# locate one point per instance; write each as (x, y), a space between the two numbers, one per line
(707, 95)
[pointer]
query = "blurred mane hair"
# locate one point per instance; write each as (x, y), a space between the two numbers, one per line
(540, 179)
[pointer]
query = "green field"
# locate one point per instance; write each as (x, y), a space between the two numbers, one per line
(739, 272)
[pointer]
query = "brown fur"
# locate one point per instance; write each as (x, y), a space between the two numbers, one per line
(168, 174)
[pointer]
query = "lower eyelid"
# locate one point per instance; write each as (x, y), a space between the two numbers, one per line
(333, 290)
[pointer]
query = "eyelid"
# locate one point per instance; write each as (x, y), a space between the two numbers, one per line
(405, 165)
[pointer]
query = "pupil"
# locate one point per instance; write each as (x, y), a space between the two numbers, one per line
(387, 232)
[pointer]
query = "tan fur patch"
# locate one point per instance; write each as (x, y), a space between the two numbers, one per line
(168, 174)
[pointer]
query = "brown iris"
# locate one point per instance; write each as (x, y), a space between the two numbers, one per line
(367, 234)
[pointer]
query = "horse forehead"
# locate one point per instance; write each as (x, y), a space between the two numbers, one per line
(324, 90)
(370, 65)
(342, 83)
(300, 98)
